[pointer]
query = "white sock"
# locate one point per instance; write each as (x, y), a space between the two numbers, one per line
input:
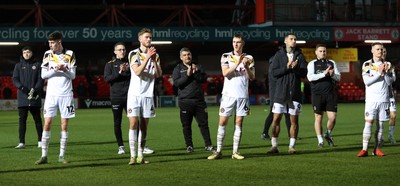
(391, 130)
(140, 144)
(63, 142)
(133, 141)
(45, 142)
(292, 142)
(366, 135)
(320, 139)
(236, 139)
(220, 137)
(378, 134)
(274, 141)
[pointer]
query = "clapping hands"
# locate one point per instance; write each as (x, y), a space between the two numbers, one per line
(123, 67)
(152, 53)
(292, 64)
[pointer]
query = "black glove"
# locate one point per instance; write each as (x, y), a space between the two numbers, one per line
(24, 90)
(33, 94)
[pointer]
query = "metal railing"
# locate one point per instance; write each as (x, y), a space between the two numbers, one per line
(332, 13)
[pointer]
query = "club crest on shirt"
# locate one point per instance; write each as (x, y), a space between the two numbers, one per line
(33, 67)
(222, 110)
(129, 110)
(366, 114)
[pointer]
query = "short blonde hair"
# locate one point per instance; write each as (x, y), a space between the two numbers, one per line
(145, 30)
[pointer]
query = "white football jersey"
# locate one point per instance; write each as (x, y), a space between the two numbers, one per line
(59, 83)
(142, 85)
(237, 84)
(376, 85)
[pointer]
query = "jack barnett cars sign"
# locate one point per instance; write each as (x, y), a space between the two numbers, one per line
(366, 33)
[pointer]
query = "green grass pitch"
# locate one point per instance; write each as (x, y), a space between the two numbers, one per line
(92, 150)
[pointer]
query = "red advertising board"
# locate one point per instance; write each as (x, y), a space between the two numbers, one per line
(366, 33)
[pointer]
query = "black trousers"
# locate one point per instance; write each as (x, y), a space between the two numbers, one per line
(190, 108)
(117, 109)
(23, 115)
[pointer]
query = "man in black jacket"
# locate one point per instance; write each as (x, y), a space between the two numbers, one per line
(26, 78)
(268, 120)
(288, 68)
(117, 73)
(188, 77)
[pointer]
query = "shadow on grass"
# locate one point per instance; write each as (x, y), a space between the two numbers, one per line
(349, 134)
(180, 155)
(47, 167)
(8, 124)
(75, 143)
(326, 149)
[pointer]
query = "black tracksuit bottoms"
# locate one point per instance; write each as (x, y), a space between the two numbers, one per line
(190, 108)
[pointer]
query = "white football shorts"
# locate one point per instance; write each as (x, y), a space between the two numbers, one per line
(392, 106)
(141, 106)
(377, 110)
(64, 103)
(241, 105)
(278, 108)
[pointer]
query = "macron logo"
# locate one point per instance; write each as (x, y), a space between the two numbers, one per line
(88, 102)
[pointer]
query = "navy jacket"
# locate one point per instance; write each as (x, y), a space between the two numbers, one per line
(27, 74)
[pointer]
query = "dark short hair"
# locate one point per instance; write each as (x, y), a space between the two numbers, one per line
(119, 43)
(376, 43)
(55, 36)
(27, 48)
(290, 34)
(320, 45)
(184, 49)
(239, 36)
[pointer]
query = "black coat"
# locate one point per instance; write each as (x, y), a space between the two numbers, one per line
(119, 82)
(271, 82)
(189, 87)
(27, 75)
(288, 81)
